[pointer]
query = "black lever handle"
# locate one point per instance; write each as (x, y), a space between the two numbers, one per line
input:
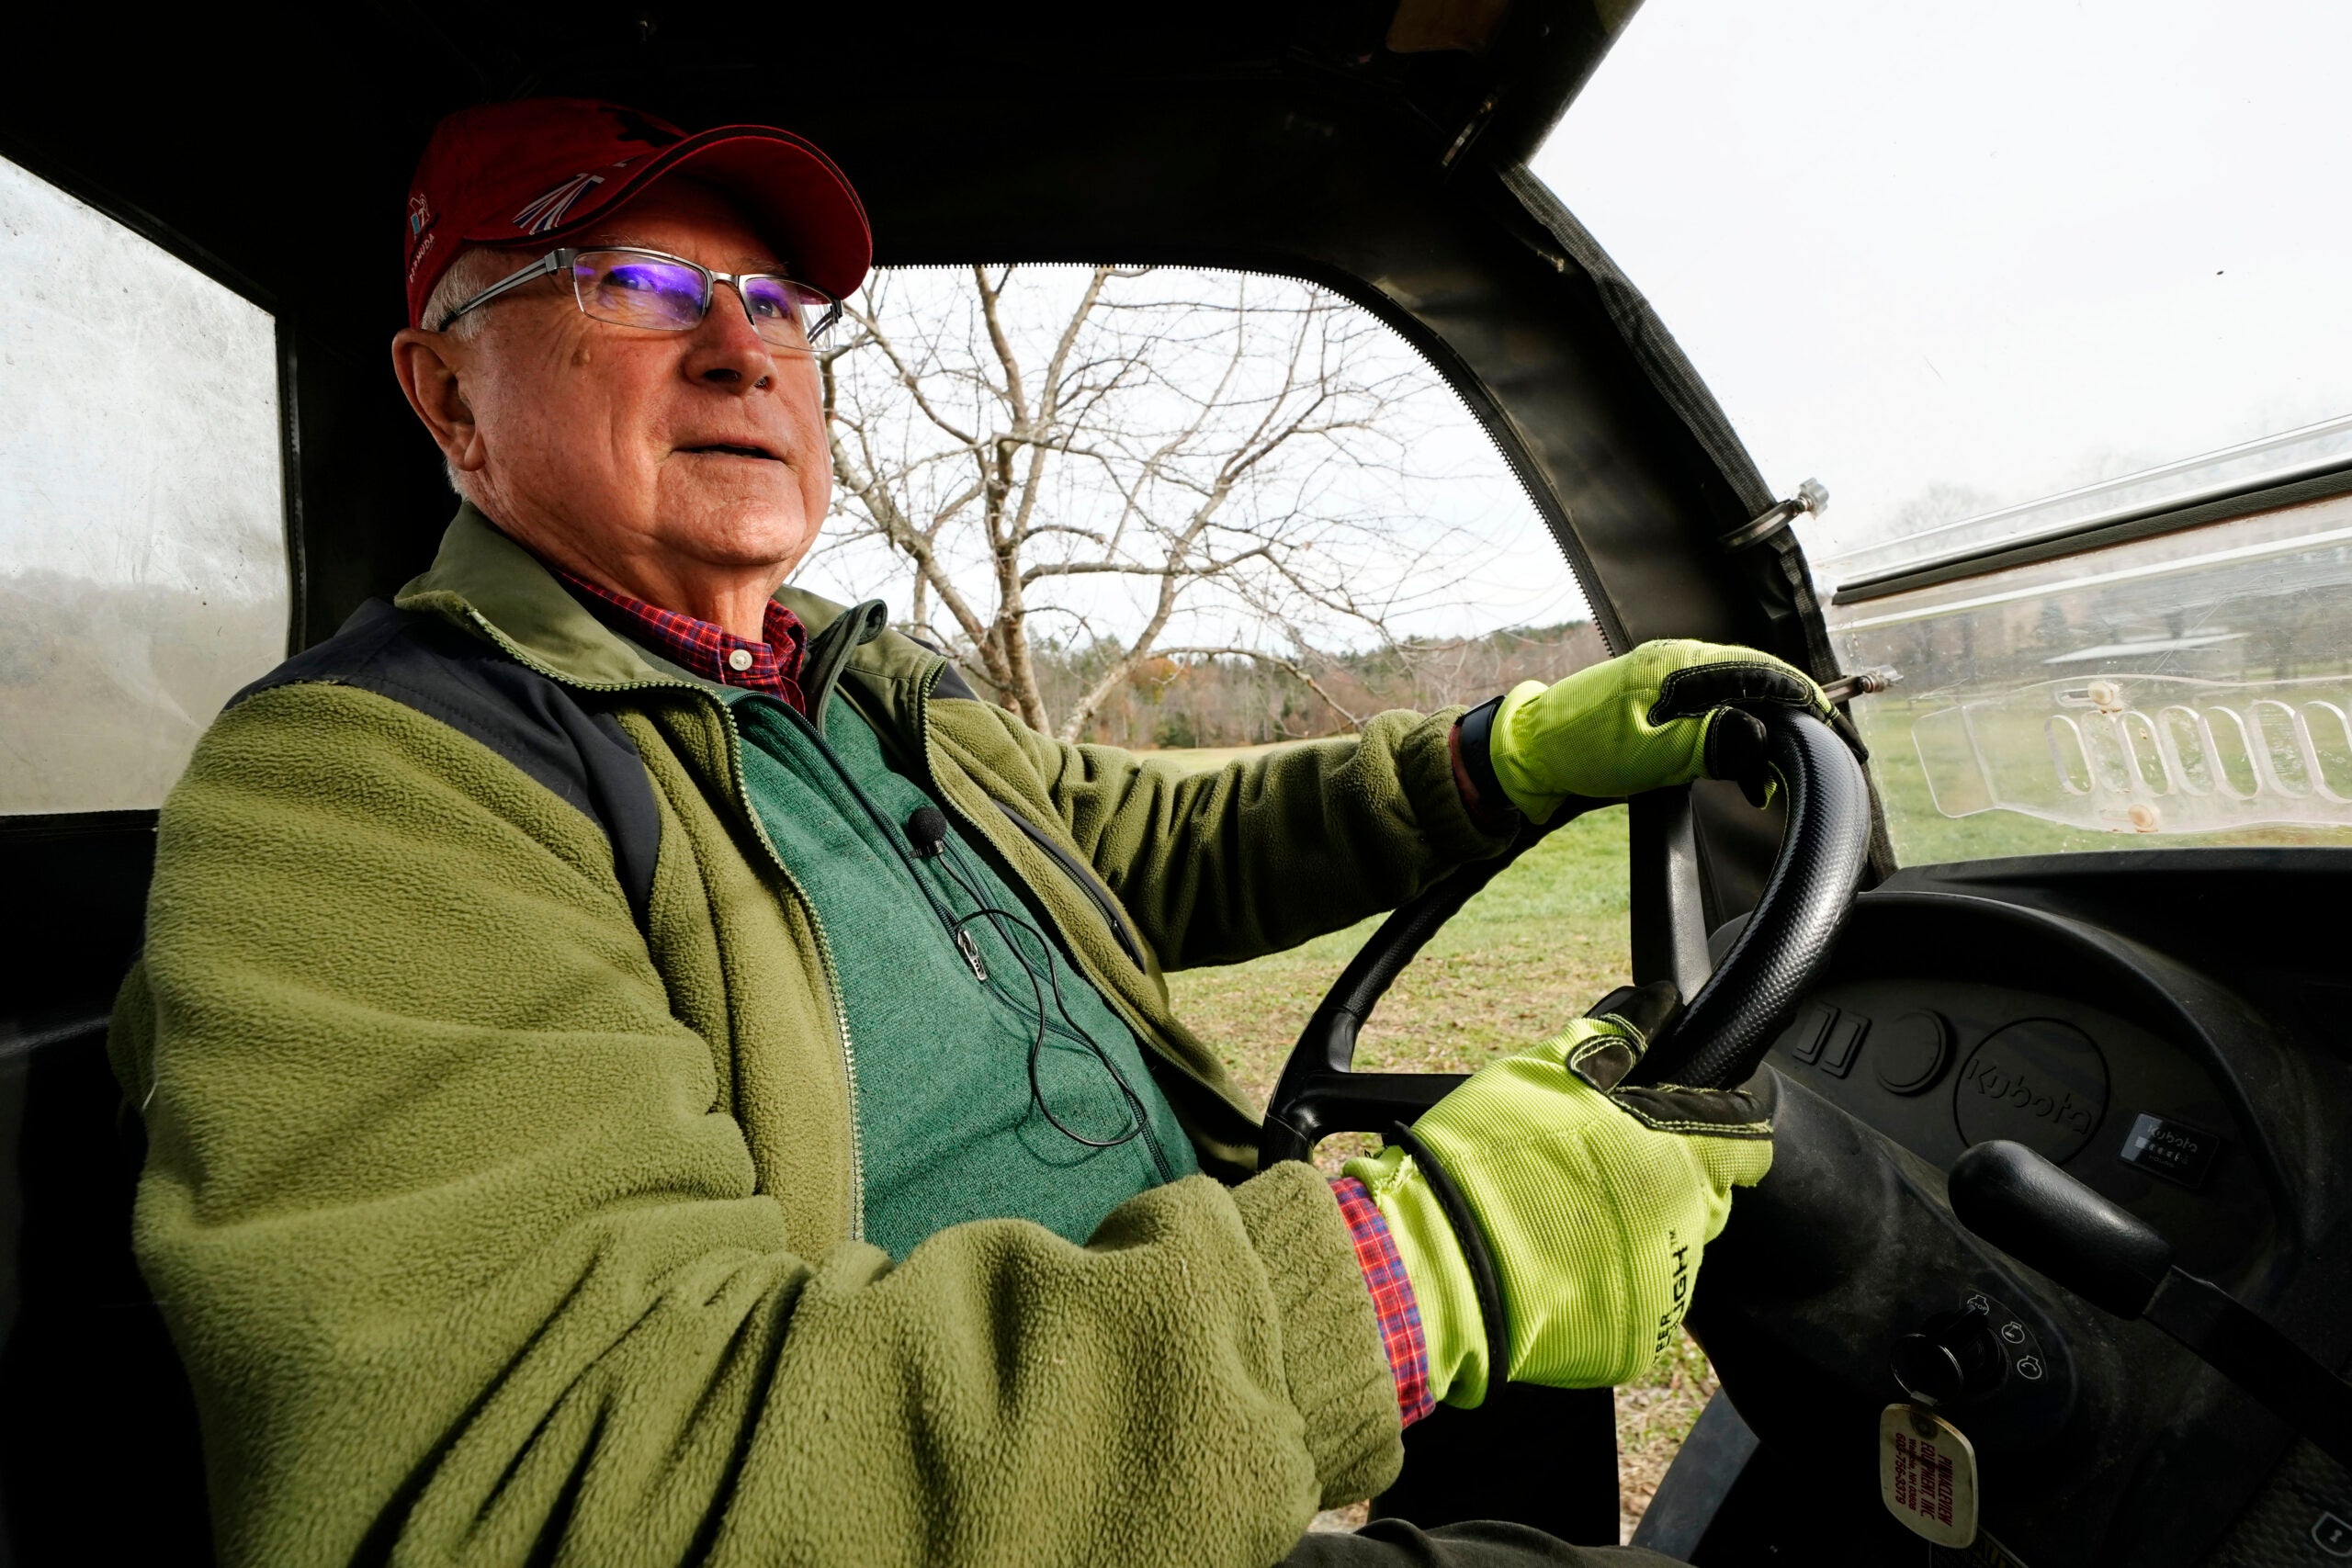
(2048, 1221)
(2044, 1218)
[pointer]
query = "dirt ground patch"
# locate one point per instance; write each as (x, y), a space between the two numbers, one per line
(1654, 1415)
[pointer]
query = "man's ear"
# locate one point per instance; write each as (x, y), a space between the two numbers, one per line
(428, 366)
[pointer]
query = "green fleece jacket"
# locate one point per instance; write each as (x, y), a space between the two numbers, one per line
(503, 1189)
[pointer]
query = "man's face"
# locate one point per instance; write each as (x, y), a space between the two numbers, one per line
(602, 444)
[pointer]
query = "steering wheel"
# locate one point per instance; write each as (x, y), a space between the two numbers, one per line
(1718, 1040)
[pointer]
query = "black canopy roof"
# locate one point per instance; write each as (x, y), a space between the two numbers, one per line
(1374, 146)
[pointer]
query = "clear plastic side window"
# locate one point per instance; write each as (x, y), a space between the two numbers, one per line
(142, 553)
(2191, 688)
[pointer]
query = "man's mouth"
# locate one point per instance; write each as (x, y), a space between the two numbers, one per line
(728, 449)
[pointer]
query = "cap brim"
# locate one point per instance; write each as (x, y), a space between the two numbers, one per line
(798, 198)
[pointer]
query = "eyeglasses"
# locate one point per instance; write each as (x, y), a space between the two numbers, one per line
(634, 287)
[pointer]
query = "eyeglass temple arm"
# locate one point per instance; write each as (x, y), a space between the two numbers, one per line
(552, 262)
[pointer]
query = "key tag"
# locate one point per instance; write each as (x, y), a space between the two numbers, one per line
(1926, 1473)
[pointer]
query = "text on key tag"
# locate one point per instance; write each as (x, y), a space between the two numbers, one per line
(1926, 1473)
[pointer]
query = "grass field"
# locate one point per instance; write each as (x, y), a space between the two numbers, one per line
(1543, 941)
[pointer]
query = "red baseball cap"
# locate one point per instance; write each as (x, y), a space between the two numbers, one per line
(546, 168)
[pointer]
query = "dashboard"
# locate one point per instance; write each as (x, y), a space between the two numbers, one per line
(2156, 1024)
(1939, 1063)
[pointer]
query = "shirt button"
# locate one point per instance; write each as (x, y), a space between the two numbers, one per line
(740, 661)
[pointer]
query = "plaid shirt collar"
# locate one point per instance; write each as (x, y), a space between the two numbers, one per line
(711, 651)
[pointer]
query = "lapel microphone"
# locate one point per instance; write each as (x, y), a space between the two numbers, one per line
(927, 832)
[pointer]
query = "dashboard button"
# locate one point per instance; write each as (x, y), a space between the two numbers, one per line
(1910, 1053)
(1845, 1042)
(1812, 1027)
(2173, 1150)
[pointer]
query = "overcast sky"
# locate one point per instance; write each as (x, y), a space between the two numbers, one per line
(2003, 248)
(2006, 246)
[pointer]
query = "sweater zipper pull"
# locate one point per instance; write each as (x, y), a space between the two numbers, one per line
(970, 949)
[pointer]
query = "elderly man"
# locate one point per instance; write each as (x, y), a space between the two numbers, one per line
(641, 1065)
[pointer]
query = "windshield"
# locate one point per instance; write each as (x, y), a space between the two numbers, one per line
(1993, 275)
(1953, 259)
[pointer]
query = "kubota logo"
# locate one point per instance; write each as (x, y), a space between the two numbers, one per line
(2008, 1085)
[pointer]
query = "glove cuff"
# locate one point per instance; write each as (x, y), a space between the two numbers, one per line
(1471, 1236)
(1476, 729)
(1505, 761)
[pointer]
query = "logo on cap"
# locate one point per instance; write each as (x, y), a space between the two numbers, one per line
(420, 215)
(547, 210)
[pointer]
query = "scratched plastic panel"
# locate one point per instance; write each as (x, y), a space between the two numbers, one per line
(2193, 688)
(142, 553)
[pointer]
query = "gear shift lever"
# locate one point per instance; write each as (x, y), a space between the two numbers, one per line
(2029, 1208)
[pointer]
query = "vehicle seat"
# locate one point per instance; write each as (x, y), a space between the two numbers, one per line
(99, 1452)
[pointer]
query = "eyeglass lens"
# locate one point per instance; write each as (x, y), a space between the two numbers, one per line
(630, 289)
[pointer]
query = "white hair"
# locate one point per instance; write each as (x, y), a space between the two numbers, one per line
(472, 272)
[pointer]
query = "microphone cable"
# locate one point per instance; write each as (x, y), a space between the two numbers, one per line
(926, 835)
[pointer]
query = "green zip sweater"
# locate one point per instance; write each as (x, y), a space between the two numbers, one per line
(944, 1109)
(505, 1192)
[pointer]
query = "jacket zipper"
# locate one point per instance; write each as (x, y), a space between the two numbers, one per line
(1072, 869)
(743, 798)
(969, 948)
(833, 974)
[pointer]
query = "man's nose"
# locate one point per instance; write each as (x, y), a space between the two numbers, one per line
(727, 351)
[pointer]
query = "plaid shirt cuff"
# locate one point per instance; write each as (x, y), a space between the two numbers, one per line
(1391, 1297)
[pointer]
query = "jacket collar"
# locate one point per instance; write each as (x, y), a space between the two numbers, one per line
(485, 581)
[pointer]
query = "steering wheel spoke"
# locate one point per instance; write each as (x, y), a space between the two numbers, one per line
(1328, 1102)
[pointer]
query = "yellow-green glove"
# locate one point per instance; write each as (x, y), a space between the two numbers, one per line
(1665, 714)
(1586, 1206)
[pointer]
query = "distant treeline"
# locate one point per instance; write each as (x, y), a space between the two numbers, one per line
(1231, 700)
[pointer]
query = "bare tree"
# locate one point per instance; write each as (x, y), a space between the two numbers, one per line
(1167, 462)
